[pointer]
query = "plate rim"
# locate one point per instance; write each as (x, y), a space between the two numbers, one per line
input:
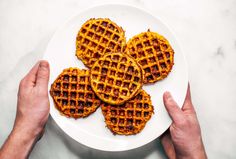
(178, 43)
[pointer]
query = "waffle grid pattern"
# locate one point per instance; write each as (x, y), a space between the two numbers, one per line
(129, 118)
(154, 53)
(116, 78)
(96, 37)
(73, 95)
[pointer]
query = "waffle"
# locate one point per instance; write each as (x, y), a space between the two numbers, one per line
(129, 118)
(154, 53)
(97, 37)
(116, 78)
(73, 95)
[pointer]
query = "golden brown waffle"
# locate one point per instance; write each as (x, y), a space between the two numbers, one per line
(116, 78)
(73, 95)
(129, 118)
(97, 37)
(154, 53)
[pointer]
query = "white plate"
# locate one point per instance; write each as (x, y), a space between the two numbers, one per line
(91, 131)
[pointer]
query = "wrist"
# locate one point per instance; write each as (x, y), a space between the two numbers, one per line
(27, 130)
(19, 143)
(197, 153)
(22, 135)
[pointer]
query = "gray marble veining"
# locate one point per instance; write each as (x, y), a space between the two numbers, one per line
(205, 29)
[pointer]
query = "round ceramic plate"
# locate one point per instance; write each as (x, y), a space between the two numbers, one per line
(92, 131)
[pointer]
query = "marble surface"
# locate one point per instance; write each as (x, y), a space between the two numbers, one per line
(205, 28)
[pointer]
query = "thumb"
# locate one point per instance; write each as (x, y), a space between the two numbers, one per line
(172, 108)
(43, 75)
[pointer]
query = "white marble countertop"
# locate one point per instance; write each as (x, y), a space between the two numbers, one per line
(206, 29)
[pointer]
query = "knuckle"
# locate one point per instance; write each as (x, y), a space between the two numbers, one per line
(172, 128)
(22, 82)
(43, 73)
(42, 76)
(21, 86)
(21, 96)
(170, 102)
(183, 122)
(42, 92)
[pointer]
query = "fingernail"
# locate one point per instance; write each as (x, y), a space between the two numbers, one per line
(44, 65)
(168, 95)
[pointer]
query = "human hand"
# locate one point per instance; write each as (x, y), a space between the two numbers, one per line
(33, 103)
(32, 113)
(183, 138)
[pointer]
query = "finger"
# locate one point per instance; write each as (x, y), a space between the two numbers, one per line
(168, 144)
(188, 101)
(43, 75)
(30, 78)
(172, 108)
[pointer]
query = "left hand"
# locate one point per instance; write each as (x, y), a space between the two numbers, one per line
(33, 103)
(32, 113)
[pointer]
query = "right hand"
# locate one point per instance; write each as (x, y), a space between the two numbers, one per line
(183, 139)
